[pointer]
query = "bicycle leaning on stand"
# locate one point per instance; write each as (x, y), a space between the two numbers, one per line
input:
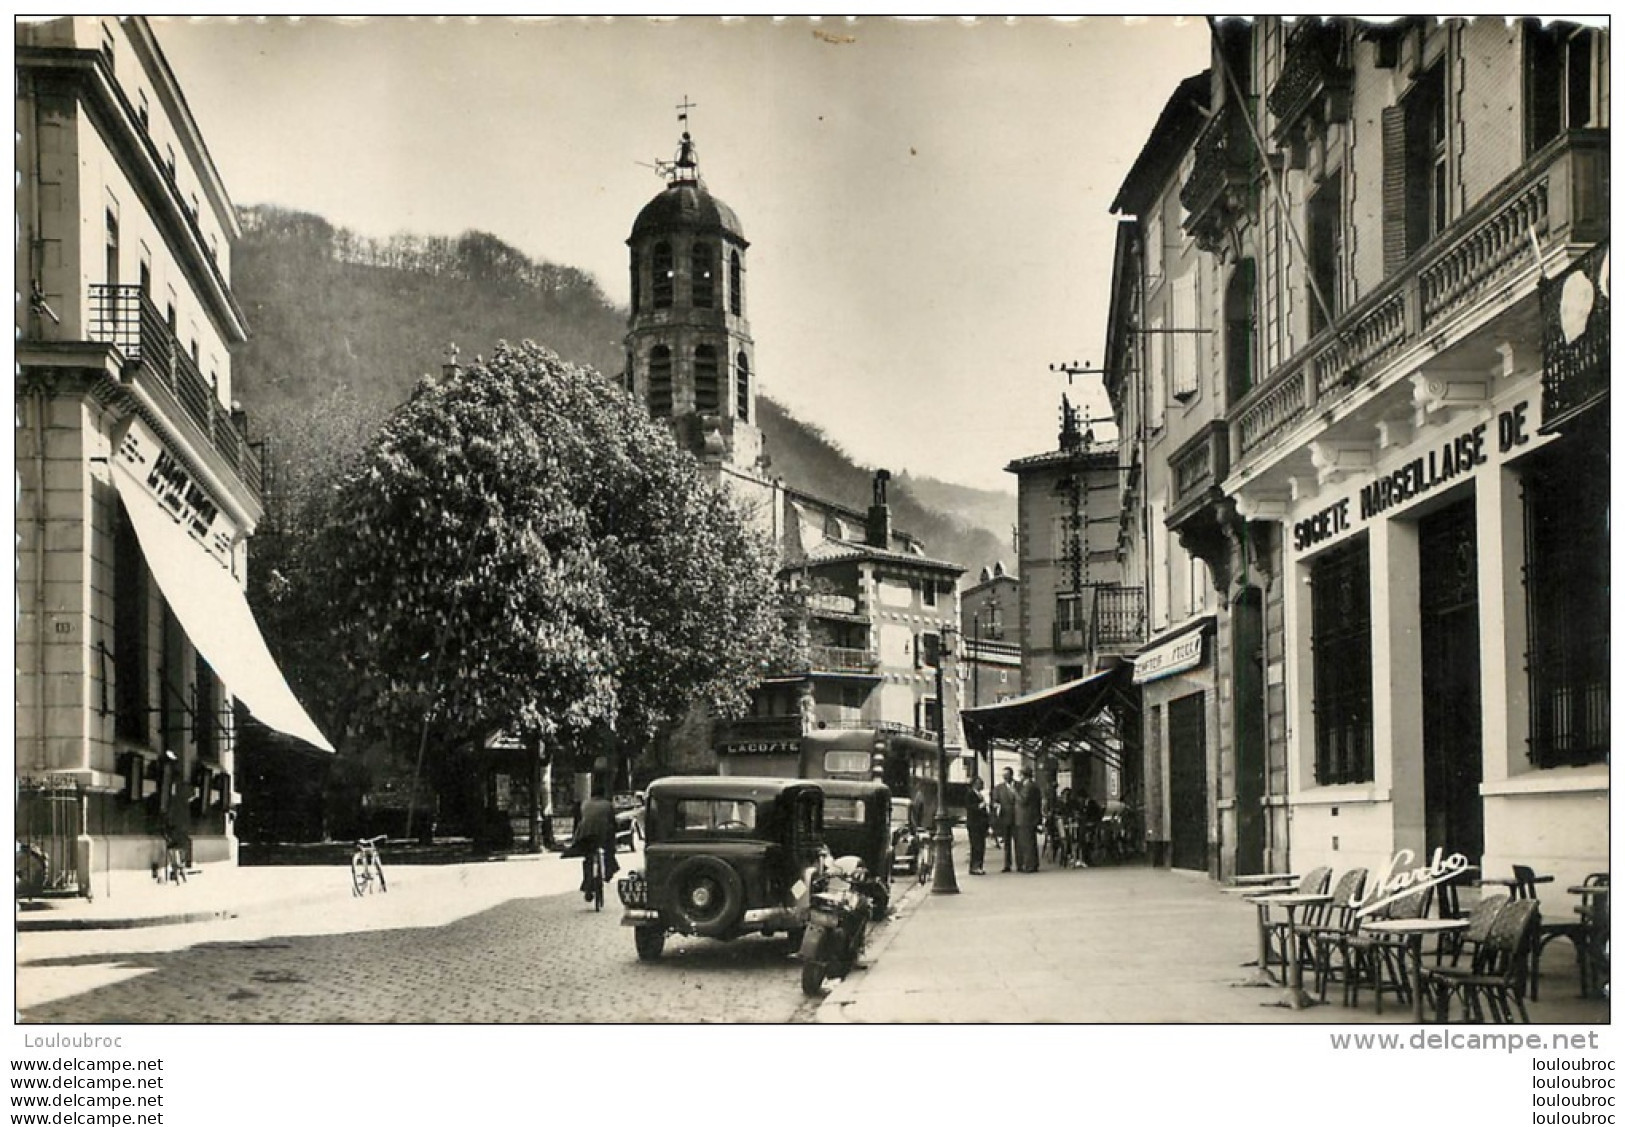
(366, 866)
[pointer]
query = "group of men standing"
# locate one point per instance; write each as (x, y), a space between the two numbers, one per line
(1014, 815)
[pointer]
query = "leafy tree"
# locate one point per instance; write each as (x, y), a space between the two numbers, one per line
(522, 549)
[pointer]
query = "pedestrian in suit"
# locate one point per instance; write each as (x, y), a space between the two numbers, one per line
(1004, 815)
(1029, 813)
(976, 823)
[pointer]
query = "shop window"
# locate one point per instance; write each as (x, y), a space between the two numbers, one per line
(707, 383)
(1340, 595)
(1240, 329)
(1325, 236)
(736, 286)
(742, 387)
(701, 276)
(129, 632)
(1566, 590)
(661, 274)
(1064, 674)
(660, 394)
(1561, 81)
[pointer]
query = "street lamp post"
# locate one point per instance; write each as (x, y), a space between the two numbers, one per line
(942, 845)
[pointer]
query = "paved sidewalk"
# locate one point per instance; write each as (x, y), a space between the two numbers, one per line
(1103, 945)
(222, 892)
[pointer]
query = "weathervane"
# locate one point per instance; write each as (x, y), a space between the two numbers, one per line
(685, 168)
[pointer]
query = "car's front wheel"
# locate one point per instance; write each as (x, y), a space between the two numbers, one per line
(650, 941)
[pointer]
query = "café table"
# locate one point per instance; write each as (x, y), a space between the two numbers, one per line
(1294, 996)
(1266, 878)
(1413, 932)
(1514, 883)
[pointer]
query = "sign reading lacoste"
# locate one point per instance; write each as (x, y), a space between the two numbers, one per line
(1171, 657)
(177, 492)
(762, 747)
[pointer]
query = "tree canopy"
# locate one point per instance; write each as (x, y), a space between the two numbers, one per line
(521, 549)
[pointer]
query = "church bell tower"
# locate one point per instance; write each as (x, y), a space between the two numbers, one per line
(689, 354)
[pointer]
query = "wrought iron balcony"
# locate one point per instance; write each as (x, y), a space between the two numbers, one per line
(840, 659)
(1223, 164)
(743, 729)
(125, 317)
(1574, 308)
(1560, 195)
(1316, 81)
(1119, 617)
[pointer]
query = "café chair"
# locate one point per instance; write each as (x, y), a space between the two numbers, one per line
(1478, 930)
(1495, 981)
(1315, 880)
(1577, 931)
(1326, 936)
(1381, 958)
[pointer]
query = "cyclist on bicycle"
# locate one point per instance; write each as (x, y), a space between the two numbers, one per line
(595, 833)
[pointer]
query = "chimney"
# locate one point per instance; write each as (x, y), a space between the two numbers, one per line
(879, 530)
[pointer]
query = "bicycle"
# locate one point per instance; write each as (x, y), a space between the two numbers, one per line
(33, 870)
(366, 866)
(922, 871)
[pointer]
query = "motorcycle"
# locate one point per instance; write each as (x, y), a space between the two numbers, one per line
(841, 905)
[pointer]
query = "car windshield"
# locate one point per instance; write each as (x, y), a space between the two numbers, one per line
(845, 811)
(715, 814)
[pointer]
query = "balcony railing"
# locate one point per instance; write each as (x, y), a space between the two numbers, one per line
(1119, 618)
(1199, 465)
(1222, 169)
(1558, 195)
(1574, 307)
(745, 728)
(1314, 76)
(840, 659)
(124, 316)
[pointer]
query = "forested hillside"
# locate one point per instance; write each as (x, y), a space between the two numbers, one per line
(344, 326)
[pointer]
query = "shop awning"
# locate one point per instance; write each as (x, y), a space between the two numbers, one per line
(211, 608)
(1065, 719)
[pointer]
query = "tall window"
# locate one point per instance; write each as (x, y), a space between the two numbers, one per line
(129, 632)
(701, 274)
(1069, 612)
(707, 383)
(661, 272)
(742, 387)
(207, 709)
(1325, 251)
(1340, 597)
(736, 286)
(660, 382)
(1561, 80)
(1240, 329)
(1566, 588)
(111, 257)
(1182, 349)
(1416, 165)
(635, 281)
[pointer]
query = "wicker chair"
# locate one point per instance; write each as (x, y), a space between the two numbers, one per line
(1496, 979)
(1324, 936)
(1381, 958)
(1478, 930)
(1315, 880)
(1578, 931)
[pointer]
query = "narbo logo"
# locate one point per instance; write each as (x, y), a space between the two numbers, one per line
(1399, 881)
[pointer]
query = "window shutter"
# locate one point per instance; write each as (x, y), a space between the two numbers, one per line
(1393, 189)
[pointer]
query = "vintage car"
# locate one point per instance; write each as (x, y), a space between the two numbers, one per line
(723, 857)
(858, 823)
(907, 836)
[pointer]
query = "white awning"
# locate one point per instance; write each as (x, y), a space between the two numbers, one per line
(211, 608)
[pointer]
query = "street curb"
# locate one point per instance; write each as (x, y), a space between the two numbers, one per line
(832, 1010)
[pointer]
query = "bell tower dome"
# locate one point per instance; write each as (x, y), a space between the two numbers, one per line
(689, 354)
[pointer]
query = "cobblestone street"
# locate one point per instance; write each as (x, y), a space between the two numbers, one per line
(542, 958)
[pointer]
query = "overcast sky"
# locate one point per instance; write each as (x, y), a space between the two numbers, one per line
(927, 202)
